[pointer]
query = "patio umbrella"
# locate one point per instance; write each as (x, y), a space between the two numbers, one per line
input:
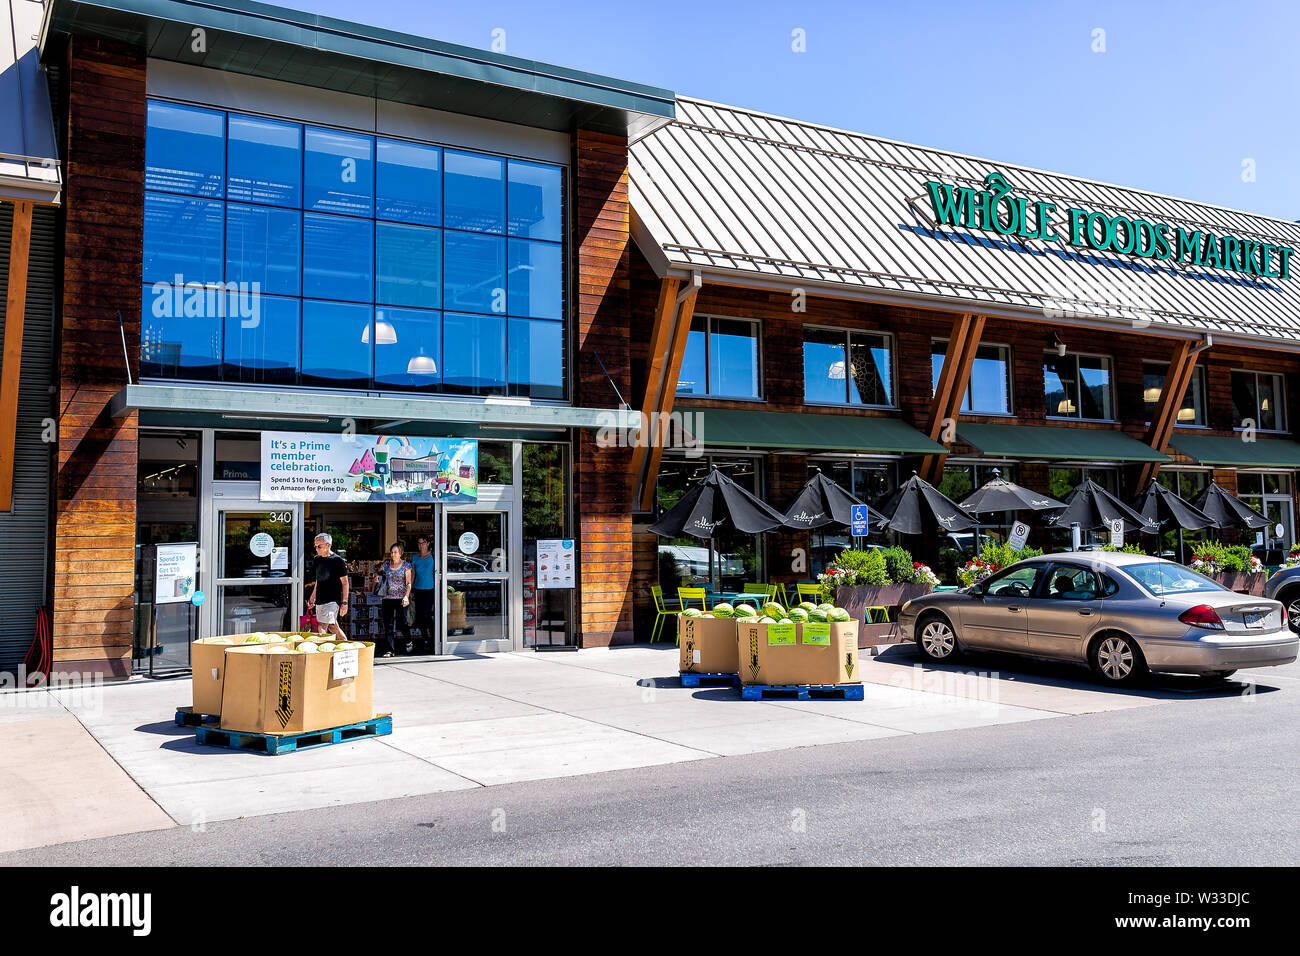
(1092, 507)
(1165, 506)
(821, 502)
(1228, 511)
(716, 502)
(918, 507)
(998, 494)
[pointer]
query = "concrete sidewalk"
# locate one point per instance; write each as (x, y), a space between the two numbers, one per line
(462, 723)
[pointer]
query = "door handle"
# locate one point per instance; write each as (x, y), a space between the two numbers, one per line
(1085, 611)
(1013, 607)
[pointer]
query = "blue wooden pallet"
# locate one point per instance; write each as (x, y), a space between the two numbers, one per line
(709, 680)
(802, 692)
(274, 744)
(186, 717)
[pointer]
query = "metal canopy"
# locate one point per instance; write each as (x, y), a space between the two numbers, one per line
(1049, 442)
(262, 40)
(1237, 451)
(763, 201)
(725, 427)
(29, 153)
(271, 405)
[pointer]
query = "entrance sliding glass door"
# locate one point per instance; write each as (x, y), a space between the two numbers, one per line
(476, 562)
(257, 586)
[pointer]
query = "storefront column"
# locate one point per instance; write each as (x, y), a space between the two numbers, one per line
(602, 318)
(787, 548)
(95, 495)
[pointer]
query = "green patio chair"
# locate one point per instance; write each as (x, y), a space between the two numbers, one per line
(811, 592)
(686, 595)
(662, 610)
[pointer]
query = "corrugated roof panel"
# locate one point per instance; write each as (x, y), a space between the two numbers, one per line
(778, 197)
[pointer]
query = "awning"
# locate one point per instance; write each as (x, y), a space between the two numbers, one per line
(725, 427)
(1234, 450)
(272, 405)
(29, 155)
(1051, 442)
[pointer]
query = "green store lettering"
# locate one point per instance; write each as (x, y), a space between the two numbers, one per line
(994, 209)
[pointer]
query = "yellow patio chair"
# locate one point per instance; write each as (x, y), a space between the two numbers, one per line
(811, 592)
(685, 596)
(662, 610)
(755, 587)
(779, 595)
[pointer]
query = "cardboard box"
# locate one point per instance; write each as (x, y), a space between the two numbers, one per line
(208, 672)
(777, 654)
(293, 693)
(708, 645)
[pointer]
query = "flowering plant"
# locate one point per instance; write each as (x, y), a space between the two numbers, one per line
(921, 574)
(993, 557)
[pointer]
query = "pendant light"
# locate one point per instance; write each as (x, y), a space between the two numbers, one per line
(385, 334)
(421, 364)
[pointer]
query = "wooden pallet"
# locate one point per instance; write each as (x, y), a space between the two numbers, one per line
(186, 717)
(274, 744)
(710, 680)
(802, 692)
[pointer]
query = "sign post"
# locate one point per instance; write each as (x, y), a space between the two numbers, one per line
(861, 522)
(1116, 532)
(1019, 535)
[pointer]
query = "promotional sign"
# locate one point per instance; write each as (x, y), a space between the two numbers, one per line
(1117, 532)
(313, 466)
(555, 563)
(175, 570)
(860, 521)
(1019, 535)
(261, 544)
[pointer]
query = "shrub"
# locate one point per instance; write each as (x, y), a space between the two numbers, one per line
(1127, 549)
(899, 565)
(853, 568)
(1238, 557)
(992, 557)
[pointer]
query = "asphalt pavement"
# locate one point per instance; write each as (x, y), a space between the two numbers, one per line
(1205, 777)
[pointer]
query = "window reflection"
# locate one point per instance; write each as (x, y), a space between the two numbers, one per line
(476, 265)
(264, 349)
(475, 192)
(336, 257)
(408, 187)
(184, 150)
(536, 358)
(262, 246)
(409, 265)
(340, 172)
(265, 161)
(332, 333)
(474, 348)
(182, 237)
(412, 356)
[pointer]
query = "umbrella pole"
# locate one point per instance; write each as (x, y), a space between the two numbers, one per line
(1181, 559)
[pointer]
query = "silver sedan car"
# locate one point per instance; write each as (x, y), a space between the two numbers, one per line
(1123, 614)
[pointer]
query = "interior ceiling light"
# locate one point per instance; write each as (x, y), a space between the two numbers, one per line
(421, 365)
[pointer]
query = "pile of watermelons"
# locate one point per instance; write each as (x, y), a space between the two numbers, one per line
(773, 613)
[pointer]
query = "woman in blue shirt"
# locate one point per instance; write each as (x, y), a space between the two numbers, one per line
(422, 591)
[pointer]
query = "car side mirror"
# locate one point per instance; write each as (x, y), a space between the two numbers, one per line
(977, 590)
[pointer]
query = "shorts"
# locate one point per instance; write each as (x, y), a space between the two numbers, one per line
(327, 613)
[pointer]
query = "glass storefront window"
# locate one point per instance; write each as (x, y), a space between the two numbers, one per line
(687, 561)
(409, 350)
(238, 458)
(847, 368)
(989, 391)
(263, 350)
(1078, 386)
(1187, 485)
(331, 332)
(722, 358)
(345, 217)
(547, 612)
(1192, 410)
(1257, 398)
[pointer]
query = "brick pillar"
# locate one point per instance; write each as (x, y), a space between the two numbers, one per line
(602, 489)
(94, 519)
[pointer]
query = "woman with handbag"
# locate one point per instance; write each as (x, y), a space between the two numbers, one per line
(393, 585)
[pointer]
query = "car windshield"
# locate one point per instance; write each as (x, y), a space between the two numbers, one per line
(1165, 577)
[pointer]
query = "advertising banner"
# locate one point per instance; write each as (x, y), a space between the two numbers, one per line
(175, 569)
(314, 466)
(555, 563)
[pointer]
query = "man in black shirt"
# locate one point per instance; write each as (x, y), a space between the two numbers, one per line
(329, 595)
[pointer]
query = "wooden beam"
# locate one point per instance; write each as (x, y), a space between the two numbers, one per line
(954, 379)
(660, 337)
(673, 371)
(15, 306)
(1181, 368)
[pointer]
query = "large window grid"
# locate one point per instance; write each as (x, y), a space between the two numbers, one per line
(723, 358)
(408, 266)
(1260, 397)
(989, 390)
(1078, 385)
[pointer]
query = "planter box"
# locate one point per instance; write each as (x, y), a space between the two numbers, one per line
(856, 600)
(1243, 582)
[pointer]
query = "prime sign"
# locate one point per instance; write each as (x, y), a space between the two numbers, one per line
(994, 209)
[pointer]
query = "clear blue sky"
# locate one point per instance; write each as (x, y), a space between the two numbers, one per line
(1182, 94)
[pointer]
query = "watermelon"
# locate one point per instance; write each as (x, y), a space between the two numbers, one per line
(692, 612)
(799, 614)
(766, 620)
(785, 620)
(827, 607)
(709, 616)
(807, 606)
(723, 609)
(817, 615)
(772, 609)
(839, 615)
(746, 610)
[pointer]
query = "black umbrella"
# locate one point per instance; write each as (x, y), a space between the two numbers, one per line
(822, 502)
(918, 507)
(1228, 511)
(1092, 507)
(998, 494)
(1162, 505)
(716, 503)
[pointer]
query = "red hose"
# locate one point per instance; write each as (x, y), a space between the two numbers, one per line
(40, 656)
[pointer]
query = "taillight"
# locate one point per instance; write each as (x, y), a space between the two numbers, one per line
(1284, 616)
(1202, 616)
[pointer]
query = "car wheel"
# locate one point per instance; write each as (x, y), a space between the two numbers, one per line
(1116, 659)
(936, 639)
(1290, 599)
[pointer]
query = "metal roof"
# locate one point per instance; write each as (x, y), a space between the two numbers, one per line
(262, 40)
(29, 156)
(760, 200)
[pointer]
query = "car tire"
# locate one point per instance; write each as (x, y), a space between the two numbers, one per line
(936, 639)
(1290, 598)
(1117, 659)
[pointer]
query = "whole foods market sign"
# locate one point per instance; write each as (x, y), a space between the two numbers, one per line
(995, 209)
(311, 466)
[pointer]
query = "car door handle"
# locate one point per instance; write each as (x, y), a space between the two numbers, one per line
(1085, 611)
(1013, 607)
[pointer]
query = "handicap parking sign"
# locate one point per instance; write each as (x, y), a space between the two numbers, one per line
(860, 521)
